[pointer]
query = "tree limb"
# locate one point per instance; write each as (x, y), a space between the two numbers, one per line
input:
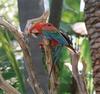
(7, 87)
(53, 78)
(20, 38)
(42, 18)
(77, 77)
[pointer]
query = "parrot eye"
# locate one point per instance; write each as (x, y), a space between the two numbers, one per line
(49, 25)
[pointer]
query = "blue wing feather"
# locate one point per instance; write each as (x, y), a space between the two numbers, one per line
(56, 36)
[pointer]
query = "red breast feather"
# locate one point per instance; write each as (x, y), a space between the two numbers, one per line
(38, 26)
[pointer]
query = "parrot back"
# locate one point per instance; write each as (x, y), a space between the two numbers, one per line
(55, 36)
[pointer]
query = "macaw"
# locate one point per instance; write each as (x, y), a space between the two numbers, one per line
(51, 33)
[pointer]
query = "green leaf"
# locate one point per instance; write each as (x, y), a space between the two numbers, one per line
(85, 53)
(10, 55)
(73, 4)
(71, 11)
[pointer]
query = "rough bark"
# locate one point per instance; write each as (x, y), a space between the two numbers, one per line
(92, 19)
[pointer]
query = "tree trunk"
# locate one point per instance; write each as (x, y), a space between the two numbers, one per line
(55, 12)
(29, 9)
(55, 17)
(92, 19)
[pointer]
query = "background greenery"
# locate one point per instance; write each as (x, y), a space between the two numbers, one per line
(11, 64)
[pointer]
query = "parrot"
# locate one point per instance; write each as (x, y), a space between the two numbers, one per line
(51, 33)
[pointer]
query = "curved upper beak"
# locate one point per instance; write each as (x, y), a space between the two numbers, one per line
(35, 33)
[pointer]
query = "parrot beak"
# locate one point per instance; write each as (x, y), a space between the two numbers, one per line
(35, 33)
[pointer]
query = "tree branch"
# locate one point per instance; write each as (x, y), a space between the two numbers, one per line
(77, 77)
(48, 61)
(20, 38)
(42, 18)
(7, 87)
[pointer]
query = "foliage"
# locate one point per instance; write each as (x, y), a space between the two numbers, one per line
(71, 11)
(85, 55)
(70, 15)
(9, 57)
(9, 10)
(65, 75)
(9, 66)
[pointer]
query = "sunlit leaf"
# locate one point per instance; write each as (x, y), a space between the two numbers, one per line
(85, 53)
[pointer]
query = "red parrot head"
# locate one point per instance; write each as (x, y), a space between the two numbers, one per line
(37, 28)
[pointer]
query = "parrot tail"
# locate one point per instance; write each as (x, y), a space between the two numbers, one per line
(71, 49)
(55, 59)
